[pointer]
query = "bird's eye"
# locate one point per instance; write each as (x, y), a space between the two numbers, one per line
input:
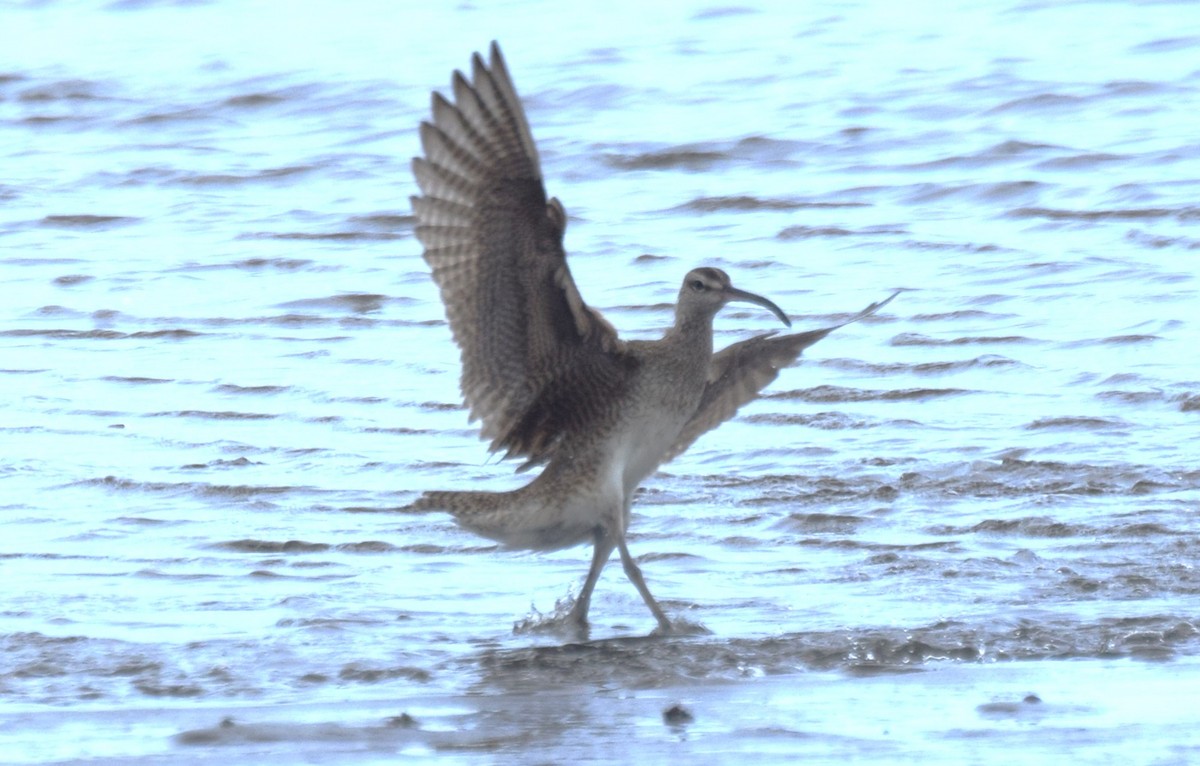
(697, 285)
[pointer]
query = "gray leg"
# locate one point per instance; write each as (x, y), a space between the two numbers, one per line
(602, 548)
(635, 576)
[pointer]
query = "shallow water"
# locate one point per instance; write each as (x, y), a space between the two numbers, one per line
(226, 369)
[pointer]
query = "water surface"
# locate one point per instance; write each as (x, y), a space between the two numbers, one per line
(962, 529)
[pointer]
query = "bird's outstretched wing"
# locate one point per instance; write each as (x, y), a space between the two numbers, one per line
(737, 373)
(495, 245)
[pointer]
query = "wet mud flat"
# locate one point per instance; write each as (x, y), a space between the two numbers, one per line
(1077, 711)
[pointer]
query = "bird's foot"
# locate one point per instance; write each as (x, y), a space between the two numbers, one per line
(680, 627)
(568, 620)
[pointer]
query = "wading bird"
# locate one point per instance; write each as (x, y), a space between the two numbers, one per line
(544, 372)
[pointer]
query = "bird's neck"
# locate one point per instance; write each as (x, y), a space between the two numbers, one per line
(692, 334)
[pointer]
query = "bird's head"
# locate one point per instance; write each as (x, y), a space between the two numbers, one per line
(706, 289)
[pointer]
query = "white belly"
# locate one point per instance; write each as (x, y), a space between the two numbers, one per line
(638, 452)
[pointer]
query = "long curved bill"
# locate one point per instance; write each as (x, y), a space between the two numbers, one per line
(734, 294)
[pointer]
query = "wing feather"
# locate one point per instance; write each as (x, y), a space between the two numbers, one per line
(739, 372)
(537, 360)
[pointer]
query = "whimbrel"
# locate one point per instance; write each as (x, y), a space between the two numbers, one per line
(546, 373)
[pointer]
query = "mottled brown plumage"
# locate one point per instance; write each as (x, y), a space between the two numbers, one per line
(545, 373)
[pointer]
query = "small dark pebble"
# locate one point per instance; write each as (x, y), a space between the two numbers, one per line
(402, 721)
(677, 715)
(1031, 699)
(227, 723)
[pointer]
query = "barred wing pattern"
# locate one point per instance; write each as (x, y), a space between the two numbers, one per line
(494, 243)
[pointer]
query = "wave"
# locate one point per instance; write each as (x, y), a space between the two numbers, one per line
(916, 339)
(830, 394)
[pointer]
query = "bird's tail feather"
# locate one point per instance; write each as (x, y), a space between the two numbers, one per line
(518, 519)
